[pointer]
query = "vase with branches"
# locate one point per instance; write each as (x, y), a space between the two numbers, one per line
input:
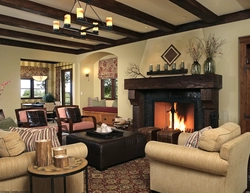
(194, 49)
(211, 48)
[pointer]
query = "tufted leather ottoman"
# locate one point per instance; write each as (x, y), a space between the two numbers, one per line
(150, 132)
(103, 153)
(168, 135)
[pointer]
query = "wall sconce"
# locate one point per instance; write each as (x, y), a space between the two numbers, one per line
(86, 72)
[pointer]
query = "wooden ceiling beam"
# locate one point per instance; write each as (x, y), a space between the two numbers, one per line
(36, 46)
(44, 39)
(197, 9)
(129, 12)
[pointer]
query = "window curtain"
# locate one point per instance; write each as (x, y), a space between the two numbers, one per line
(58, 83)
(29, 71)
(107, 69)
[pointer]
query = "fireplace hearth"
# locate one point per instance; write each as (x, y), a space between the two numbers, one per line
(202, 91)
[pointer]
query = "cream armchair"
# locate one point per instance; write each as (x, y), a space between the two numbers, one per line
(218, 165)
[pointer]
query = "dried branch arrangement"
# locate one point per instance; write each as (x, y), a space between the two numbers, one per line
(133, 71)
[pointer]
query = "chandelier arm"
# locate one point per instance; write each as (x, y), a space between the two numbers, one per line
(97, 15)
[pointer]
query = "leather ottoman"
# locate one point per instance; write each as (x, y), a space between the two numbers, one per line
(103, 153)
(168, 135)
(150, 132)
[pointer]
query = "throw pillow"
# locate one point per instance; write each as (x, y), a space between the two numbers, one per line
(11, 144)
(36, 118)
(7, 123)
(90, 100)
(30, 135)
(1, 117)
(101, 103)
(193, 139)
(114, 103)
(213, 139)
(74, 114)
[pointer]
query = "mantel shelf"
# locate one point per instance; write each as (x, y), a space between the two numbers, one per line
(179, 71)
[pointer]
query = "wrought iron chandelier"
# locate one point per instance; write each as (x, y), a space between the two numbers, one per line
(92, 28)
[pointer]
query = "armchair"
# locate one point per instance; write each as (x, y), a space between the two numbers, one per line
(35, 118)
(70, 120)
(50, 110)
(219, 164)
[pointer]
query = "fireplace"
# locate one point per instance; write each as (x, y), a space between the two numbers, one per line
(156, 100)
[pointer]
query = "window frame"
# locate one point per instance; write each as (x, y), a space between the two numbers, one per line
(32, 88)
(113, 89)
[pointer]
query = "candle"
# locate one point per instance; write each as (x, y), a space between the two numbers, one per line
(109, 22)
(150, 67)
(67, 20)
(174, 66)
(158, 67)
(59, 151)
(182, 64)
(165, 66)
(56, 25)
(79, 13)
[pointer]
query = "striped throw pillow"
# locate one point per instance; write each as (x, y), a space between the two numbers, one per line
(30, 135)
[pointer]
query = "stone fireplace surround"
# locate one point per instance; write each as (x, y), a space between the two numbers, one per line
(202, 90)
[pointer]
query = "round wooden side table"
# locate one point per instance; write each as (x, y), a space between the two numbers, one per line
(76, 165)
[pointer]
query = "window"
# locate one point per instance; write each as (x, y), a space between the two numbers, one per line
(31, 88)
(109, 89)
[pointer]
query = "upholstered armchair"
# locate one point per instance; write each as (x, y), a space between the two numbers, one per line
(70, 120)
(218, 165)
(35, 118)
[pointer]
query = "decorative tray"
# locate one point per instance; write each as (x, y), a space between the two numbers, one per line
(110, 135)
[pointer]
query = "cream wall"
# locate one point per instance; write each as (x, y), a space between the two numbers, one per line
(10, 69)
(150, 51)
(142, 53)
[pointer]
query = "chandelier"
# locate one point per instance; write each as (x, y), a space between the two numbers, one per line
(92, 28)
(39, 78)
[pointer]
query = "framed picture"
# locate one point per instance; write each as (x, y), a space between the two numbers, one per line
(170, 55)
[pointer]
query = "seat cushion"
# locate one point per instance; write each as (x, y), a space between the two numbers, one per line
(213, 139)
(84, 125)
(30, 135)
(74, 114)
(11, 144)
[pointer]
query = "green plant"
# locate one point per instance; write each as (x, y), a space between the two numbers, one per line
(48, 98)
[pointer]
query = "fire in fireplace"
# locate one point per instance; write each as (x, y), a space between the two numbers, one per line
(174, 115)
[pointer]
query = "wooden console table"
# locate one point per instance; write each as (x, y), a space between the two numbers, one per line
(76, 165)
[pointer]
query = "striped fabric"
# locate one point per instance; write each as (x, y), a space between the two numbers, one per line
(30, 135)
(193, 139)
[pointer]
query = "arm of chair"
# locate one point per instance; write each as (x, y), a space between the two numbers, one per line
(16, 166)
(92, 117)
(186, 157)
(77, 150)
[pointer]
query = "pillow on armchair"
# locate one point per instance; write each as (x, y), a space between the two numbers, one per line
(74, 114)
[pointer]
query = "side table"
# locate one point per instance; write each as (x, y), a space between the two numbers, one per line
(76, 165)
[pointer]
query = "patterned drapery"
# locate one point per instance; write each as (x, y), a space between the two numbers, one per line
(58, 83)
(29, 71)
(107, 68)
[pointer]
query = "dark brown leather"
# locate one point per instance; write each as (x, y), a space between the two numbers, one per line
(74, 114)
(168, 135)
(36, 118)
(150, 132)
(103, 153)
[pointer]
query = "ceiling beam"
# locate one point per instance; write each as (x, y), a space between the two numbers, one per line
(40, 9)
(44, 39)
(196, 9)
(129, 12)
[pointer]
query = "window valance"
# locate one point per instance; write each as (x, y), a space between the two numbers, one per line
(107, 68)
(29, 71)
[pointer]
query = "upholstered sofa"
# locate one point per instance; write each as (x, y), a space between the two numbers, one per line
(14, 161)
(217, 165)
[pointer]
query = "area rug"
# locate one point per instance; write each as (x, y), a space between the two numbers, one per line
(129, 177)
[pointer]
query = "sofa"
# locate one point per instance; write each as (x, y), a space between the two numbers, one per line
(15, 159)
(216, 163)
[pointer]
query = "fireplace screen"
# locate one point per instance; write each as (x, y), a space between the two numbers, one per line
(175, 115)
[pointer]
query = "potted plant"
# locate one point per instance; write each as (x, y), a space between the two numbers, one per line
(48, 98)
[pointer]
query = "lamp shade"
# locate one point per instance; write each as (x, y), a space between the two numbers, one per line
(39, 78)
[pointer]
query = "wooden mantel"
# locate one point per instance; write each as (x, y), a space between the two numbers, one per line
(207, 85)
(205, 81)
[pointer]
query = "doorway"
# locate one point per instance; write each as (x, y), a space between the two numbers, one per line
(66, 77)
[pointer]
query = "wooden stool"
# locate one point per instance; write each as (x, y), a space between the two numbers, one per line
(150, 132)
(168, 135)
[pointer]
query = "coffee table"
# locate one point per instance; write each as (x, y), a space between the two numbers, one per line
(76, 165)
(106, 152)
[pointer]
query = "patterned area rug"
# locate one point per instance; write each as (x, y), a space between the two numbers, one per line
(129, 177)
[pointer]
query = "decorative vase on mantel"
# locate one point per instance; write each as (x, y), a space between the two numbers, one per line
(196, 68)
(209, 66)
